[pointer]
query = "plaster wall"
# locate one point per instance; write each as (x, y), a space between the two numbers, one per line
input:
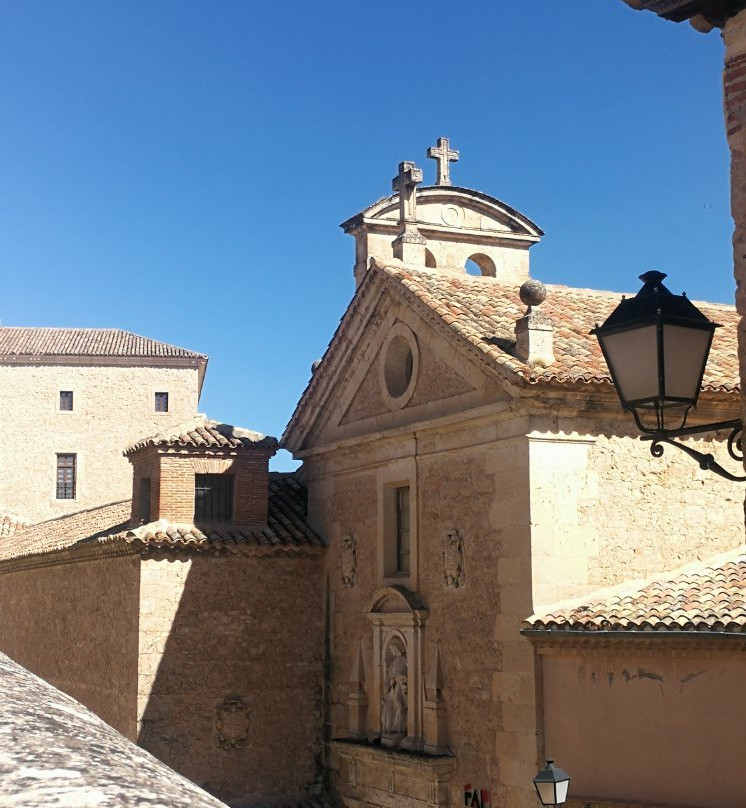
(649, 726)
(217, 630)
(88, 649)
(604, 510)
(113, 406)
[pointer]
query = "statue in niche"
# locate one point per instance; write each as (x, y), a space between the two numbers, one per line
(394, 701)
(453, 559)
(349, 560)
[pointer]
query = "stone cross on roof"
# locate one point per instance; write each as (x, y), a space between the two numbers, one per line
(405, 182)
(443, 155)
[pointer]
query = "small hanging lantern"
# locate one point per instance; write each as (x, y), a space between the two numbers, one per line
(656, 346)
(551, 784)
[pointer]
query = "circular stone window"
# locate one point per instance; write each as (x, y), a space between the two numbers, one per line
(400, 359)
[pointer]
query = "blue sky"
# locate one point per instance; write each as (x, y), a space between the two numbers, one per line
(179, 169)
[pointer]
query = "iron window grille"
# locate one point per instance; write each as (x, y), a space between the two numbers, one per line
(66, 400)
(161, 402)
(213, 498)
(66, 468)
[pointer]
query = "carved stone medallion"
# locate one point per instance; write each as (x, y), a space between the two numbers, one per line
(349, 560)
(232, 723)
(453, 559)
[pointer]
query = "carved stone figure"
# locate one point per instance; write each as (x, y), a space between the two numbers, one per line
(394, 702)
(453, 559)
(232, 723)
(349, 560)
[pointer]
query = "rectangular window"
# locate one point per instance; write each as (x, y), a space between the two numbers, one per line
(213, 498)
(161, 402)
(66, 476)
(143, 505)
(402, 529)
(66, 400)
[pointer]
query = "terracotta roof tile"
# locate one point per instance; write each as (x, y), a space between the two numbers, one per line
(202, 433)
(703, 597)
(286, 529)
(56, 534)
(10, 525)
(484, 312)
(37, 342)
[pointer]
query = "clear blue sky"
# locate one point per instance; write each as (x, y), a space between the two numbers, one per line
(179, 169)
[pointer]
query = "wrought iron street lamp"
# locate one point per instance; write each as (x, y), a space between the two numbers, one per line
(656, 345)
(551, 784)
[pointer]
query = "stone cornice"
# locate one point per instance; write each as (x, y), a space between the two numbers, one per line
(642, 643)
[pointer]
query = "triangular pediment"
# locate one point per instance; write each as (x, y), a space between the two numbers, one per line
(395, 369)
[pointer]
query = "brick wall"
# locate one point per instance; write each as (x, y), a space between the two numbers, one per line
(172, 477)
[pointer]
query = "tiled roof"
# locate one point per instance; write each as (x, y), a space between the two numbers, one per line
(18, 342)
(9, 525)
(484, 312)
(286, 528)
(56, 534)
(55, 753)
(702, 597)
(202, 433)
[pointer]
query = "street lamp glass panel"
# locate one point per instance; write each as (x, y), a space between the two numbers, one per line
(684, 355)
(546, 793)
(632, 356)
(562, 788)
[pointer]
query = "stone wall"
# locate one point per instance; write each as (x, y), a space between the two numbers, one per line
(113, 406)
(231, 672)
(542, 513)
(647, 724)
(605, 511)
(75, 625)
(472, 482)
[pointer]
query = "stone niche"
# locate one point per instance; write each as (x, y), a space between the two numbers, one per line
(395, 707)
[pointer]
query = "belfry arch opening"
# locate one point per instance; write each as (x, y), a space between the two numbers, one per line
(480, 264)
(429, 259)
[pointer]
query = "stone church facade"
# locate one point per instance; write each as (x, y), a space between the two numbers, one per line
(363, 628)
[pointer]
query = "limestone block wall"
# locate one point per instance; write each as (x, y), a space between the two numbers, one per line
(113, 406)
(474, 481)
(75, 625)
(605, 511)
(646, 724)
(230, 672)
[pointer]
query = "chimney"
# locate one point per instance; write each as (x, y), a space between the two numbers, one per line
(534, 335)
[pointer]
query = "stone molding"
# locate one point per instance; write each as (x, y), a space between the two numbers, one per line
(642, 643)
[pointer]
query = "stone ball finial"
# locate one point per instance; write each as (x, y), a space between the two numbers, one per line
(532, 293)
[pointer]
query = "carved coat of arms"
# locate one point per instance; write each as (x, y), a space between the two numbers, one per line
(453, 559)
(232, 723)
(349, 560)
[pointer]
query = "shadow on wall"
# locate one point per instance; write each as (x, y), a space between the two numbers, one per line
(230, 687)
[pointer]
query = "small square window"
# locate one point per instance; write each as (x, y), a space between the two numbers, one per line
(161, 402)
(66, 400)
(66, 464)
